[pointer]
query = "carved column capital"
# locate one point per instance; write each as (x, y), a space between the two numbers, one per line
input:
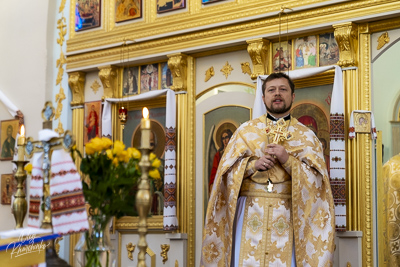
(177, 63)
(109, 79)
(76, 81)
(258, 51)
(346, 35)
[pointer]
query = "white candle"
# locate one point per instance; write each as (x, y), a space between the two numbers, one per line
(145, 128)
(21, 144)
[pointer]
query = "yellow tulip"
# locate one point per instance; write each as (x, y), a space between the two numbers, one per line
(106, 143)
(115, 162)
(155, 174)
(156, 163)
(134, 153)
(152, 156)
(123, 156)
(28, 168)
(109, 154)
(97, 144)
(118, 147)
(89, 149)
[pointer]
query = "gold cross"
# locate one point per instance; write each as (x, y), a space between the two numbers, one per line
(279, 131)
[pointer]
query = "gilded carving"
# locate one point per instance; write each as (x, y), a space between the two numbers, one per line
(130, 248)
(227, 69)
(346, 35)
(177, 63)
(246, 68)
(76, 82)
(61, 26)
(59, 98)
(209, 73)
(258, 51)
(108, 76)
(95, 86)
(382, 40)
(164, 252)
(60, 128)
(57, 245)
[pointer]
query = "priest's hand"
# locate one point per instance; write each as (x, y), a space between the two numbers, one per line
(264, 163)
(278, 151)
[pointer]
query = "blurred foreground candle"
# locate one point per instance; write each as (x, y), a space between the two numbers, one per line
(21, 144)
(145, 127)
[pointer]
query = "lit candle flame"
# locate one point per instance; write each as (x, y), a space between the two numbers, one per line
(145, 113)
(22, 130)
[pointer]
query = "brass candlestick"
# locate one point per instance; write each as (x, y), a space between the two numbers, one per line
(19, 205)
(143, 194)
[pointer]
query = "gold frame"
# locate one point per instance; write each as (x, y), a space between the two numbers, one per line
(131, 222)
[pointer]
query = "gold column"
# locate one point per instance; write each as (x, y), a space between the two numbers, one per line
(258, 51)
(109, 79)
(183, 85)
(76, 82)
(354, 45)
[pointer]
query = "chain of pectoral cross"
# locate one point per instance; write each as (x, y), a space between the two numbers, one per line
(279, 132)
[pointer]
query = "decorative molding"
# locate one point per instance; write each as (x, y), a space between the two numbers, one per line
(177, 63)
(59, 98)
(226, 33)
(164, 252)
(258, 51)
(382, 40)
(246, 68)
(227, 69)
(130, 248)
(109, 79)
(346, 35)
(209, 73)
(95, 86)
(76, 82)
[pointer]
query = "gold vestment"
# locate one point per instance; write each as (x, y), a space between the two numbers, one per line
(301, 203)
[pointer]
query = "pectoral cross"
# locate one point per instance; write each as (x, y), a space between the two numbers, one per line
(279, 132)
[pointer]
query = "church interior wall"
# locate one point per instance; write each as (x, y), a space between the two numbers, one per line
(386, 87)
(23, 76)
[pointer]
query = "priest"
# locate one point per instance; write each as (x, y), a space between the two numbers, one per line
(271, 203)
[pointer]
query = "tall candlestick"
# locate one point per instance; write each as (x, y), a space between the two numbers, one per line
(21, 144)
(145, 128)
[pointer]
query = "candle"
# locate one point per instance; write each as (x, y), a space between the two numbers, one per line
(21, 144)
(145, 127)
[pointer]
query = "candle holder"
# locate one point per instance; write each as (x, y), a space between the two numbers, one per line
(19, 205)
(143, 205)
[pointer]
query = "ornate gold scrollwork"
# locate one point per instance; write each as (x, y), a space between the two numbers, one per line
(57, 245)
(382, 40)
(164, 252)
(130, 248)
(227, 69)
(95, 86)
(346, 35)
(177, 63)
(209, 73)
(108, 76)
(258, 51)
(76, 82)
(246, 68)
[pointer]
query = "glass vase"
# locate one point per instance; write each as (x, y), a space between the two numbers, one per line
(94, 249)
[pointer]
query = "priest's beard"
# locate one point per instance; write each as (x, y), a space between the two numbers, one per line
(280, 110)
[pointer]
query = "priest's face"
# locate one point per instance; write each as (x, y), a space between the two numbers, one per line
(278, 97)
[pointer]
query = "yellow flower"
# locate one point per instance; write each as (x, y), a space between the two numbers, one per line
(152, 156)
(123, 156)
(106, 143)
(115, 162)
(89, 148)
(97, 144)
(134, 153)
(118, 147)
(109, 154)
(28, 168)
(155, 174)
(156, 163)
